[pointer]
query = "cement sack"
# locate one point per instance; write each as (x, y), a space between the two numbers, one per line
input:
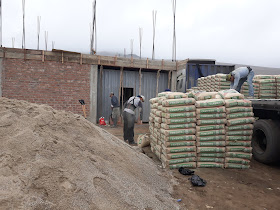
(211, 110)
(211, 138)
(179, 138)
(211, 122)
(234, 102)
(239, 155)
(205, 96)
(211, 155)
(210, 103)
(240, 127)
(154, 106)
(186, 165)
(180, 155)
(154, 140)
(237, 161)
(178, 120)
(224, 76)
(209, 165)
(158, 154)
(176, 109)
(240, 133)
(230, 94)
(151, 119)
(168, 162)
(157, 125)
(239, 121)
(210, 133)
(143, 140)
(158, 119)
(210, 149)
(175, 95)
(237, 166)
(158, 113)
(178, 102)
(158, 148)
(261, 81)
(178, 126)
(239, 109)
(209, 159)
(264, 76)
(210, 127)
(211, 116)
(239, 149)
(240, 115)
(179, 115)
(153, 111)
(178, 132)
(168, 150)
(163, 94)
(211, 144)
(239, 143)
(179, 143)
(153, 100)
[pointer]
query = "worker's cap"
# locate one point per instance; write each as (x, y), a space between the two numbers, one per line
(143, 97)
(167, 90)
(112, 93)
(228, 77)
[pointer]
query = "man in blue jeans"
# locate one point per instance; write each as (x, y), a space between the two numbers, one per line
(239, 76)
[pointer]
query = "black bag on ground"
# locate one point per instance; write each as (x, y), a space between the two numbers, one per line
(197, 181)
(185, 171)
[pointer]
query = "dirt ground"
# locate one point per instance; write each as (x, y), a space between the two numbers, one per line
(255, 188)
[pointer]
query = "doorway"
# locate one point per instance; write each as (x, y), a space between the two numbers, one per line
(125, 95)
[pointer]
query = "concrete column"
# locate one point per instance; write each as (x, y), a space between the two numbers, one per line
(173, 81)
(1, 72)
(93, 93)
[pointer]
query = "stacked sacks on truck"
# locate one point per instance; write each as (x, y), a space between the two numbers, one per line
(210, 131)
(239, 130)
(178, 133)
(221, 83)
(265, 86)
(277, 79)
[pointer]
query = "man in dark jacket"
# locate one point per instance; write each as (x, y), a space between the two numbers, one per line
(115, 106)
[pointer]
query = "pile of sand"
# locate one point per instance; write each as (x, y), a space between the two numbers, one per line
(53, 159)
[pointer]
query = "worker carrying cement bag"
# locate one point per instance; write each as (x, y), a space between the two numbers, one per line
(239, 76)
(129, 117)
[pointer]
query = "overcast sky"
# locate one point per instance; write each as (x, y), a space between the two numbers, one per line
(236, 31)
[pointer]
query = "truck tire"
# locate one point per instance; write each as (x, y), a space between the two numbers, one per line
(265, 141)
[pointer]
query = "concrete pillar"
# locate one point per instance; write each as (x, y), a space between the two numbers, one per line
(173, 81)
(93, 93)
(1, 72)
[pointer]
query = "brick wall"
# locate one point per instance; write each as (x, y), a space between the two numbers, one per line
(57, 84)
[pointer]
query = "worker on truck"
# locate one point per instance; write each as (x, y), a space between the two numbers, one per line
(129, 117)
(239, 76)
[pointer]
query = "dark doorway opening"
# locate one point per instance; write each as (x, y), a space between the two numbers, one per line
(125, 95)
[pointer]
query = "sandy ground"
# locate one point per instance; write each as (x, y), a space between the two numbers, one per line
(255, 188)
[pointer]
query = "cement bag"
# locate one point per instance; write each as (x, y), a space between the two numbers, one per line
(210, 133)
(179, 138)
(178, 102)
(158, 119)
(179, 115)
(240, 133)
(234, 102)
(231, 94)
(239, 109)
(158, 113)
(239, 149)
(210, 103)
(178, 120)
(154, 106)
(186, 165)
(237, 161)
(205, 96)
(153, 140)
(240, 115)
(178, 132)
(209, 159)
(153, 100)
(180, 155)
(151, 119)
(238, 138)
(211, 144)
(211, 116)
(211, 122)
(210, 127)
(224, 76)
(240, 121)
(210, 149)
(211, 155)
(264, 77)
(221, 109)
(157, 125)
(240, 127)
(209, 165)
(239, 155)
(239, 143)
(211, 138)
(153, 111)
(143, 140)
(168, 162)
(261, 81)
(179, 143)
(178, 126)
(176, 109)
(237, 166)
(163, 94)
(174, 95)
(169, 150)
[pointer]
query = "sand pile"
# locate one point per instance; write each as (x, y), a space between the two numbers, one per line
(52, 159)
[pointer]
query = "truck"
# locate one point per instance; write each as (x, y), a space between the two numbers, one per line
(266, 133)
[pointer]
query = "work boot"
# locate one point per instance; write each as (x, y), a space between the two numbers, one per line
(132, 143)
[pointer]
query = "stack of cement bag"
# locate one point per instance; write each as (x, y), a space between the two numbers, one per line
(277, 79)
(178, 133)
(221, 83)
(210, 130)
(213, 83)
(239, 130)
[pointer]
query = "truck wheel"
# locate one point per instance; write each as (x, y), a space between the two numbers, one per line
(265, 141)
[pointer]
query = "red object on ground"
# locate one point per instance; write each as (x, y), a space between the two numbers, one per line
(102, 121)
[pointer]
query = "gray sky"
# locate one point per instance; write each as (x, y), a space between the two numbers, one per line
(237, 31)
